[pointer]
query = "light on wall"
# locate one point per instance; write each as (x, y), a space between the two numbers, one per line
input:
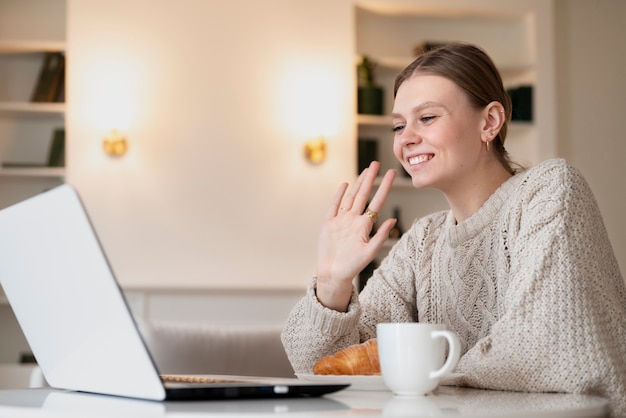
(112, 98)
(311, 102)
(315, 150)
(115, 143)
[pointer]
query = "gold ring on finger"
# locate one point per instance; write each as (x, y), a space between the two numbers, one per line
(372, 215)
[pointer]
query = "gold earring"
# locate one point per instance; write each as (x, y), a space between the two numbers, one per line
(487, 145)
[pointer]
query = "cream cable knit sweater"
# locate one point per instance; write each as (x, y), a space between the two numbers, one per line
(529, 282)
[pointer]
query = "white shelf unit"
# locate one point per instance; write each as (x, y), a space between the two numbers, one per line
(387, 32)
(53, 172)
(31, 28)
(8, 46)
(25, 109)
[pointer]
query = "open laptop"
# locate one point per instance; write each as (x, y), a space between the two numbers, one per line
(75, 318)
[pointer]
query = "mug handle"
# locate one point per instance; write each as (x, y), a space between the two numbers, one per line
(454, 352)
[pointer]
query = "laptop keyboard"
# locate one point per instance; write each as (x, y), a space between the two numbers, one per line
(174, 378)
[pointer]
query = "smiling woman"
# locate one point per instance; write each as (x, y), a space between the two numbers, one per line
(521, 256)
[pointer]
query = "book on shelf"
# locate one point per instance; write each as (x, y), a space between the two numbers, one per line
(56, 155)
(50, 79)
(59, 97)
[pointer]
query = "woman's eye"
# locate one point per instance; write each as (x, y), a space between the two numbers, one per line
(397, 128)
(426, 119)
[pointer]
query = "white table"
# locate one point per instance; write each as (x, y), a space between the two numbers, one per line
(446, 401)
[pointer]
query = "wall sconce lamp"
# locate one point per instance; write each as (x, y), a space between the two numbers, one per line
(315, 150)
(115, 143)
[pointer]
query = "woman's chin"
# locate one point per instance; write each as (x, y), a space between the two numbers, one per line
(419, 182)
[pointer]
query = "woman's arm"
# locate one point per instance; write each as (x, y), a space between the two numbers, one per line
(313, 331)
(346, 244)
(327, 317)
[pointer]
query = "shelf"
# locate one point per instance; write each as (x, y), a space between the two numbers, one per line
(30, 47)
(31, 108)
(32, 172)
(374, 120)
(391, 63)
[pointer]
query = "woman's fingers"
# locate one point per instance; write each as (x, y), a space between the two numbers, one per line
(362, 195)
(348, 200)
(382, 192)
(382, 234)
(358, 196)
(336, 202)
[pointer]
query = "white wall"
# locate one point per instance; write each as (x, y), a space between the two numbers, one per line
(591, 83)
(217, 98)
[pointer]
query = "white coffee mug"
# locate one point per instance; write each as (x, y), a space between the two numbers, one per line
(412, 356)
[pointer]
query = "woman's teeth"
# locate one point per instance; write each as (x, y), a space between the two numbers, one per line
(420, 159)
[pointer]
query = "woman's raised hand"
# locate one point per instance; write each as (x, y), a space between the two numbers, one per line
(345, 246)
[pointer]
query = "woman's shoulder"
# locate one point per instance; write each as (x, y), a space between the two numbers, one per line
(552, 168)
(556, 166)
(551, 181)
(552, 173)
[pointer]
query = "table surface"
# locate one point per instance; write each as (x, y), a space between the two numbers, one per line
(448, 401)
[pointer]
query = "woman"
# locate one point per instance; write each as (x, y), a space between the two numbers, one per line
(520, 266)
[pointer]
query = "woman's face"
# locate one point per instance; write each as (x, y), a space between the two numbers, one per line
(437, 133)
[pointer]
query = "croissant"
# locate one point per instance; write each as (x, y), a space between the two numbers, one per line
(358, 359)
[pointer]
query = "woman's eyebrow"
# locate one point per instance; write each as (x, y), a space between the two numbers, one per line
(420, 107)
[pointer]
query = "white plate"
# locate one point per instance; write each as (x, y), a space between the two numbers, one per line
(362, 382)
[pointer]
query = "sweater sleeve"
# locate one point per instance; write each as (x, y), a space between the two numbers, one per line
(313, 331)
(563, 327)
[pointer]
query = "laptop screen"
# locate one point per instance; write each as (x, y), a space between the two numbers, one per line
(63, 293)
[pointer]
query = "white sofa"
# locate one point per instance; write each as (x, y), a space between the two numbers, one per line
(246, 350)
(20, 376)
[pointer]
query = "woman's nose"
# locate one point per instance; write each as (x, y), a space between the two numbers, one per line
(409, 136)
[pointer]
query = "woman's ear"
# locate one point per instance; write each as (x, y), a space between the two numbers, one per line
(494, 118)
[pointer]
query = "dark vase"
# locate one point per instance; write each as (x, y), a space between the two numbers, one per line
(370, 100)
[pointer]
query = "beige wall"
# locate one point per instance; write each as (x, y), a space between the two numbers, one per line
(217, 98)
(191, 135)
(214, 191)
(591, 90)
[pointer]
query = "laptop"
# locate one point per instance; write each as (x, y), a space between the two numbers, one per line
(77, 322)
